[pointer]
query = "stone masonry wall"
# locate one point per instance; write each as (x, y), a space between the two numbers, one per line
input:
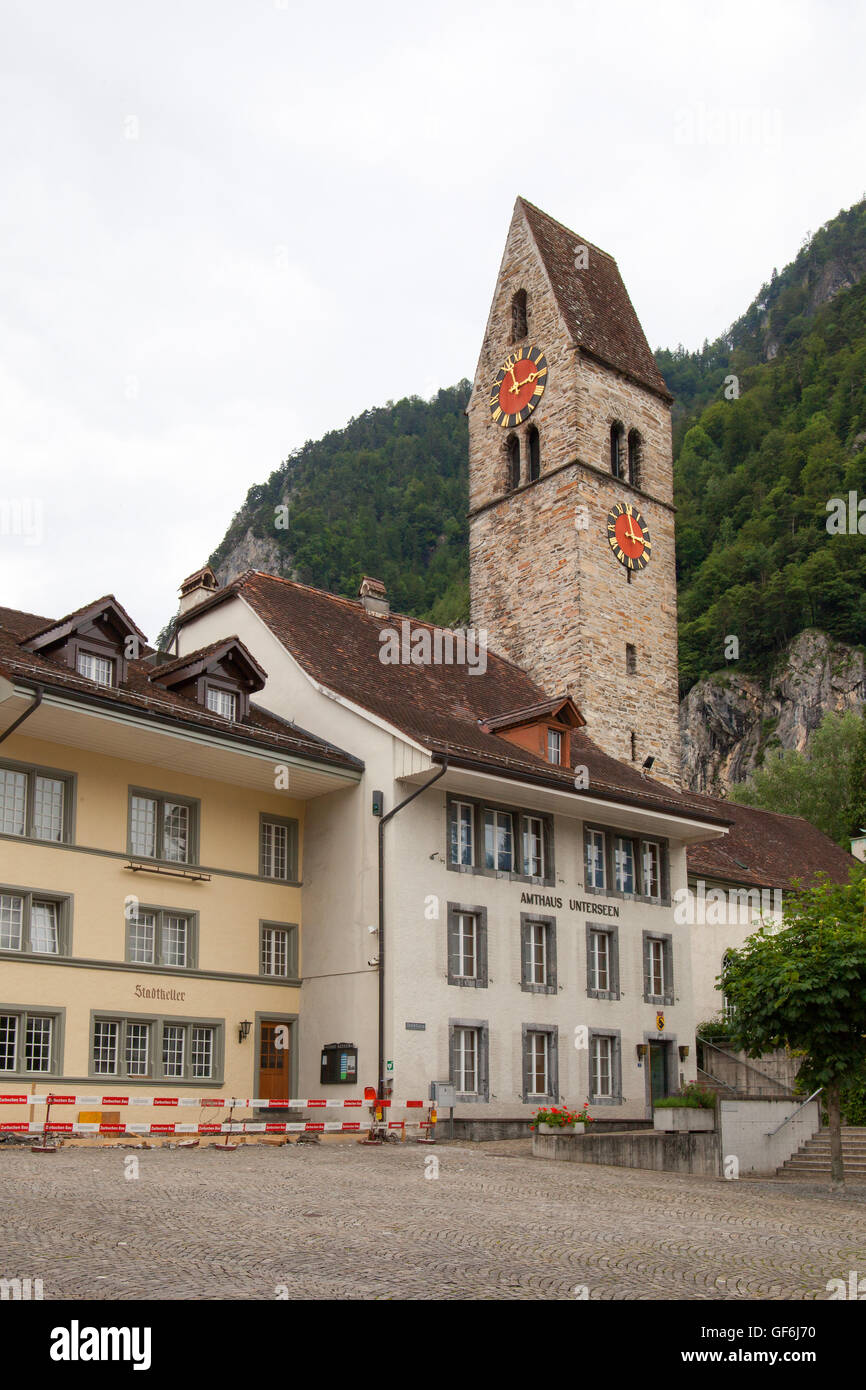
(553, 597)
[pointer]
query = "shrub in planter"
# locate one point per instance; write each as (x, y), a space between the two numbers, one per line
(691, 1097)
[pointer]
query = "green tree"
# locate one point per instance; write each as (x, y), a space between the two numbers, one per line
(857, 783)
(815, 784)
(804, 987)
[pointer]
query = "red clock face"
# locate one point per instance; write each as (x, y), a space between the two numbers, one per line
(629, 536)
(518, 387)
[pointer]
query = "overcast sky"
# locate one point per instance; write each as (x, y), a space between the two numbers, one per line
(226, 227)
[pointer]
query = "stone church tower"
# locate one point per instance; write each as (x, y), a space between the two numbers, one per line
(571, 532)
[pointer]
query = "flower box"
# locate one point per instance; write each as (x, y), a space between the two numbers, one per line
(561, 1129)
(684, 1119)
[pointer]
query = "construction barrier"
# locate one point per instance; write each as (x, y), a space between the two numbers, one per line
(375, 1124)
(237, 1127)
(219, 1103)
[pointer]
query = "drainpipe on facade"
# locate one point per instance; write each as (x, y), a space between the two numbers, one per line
(382, 823)
(37, 701)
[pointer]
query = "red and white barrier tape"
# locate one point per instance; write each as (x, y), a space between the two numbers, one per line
(221, 1103)
(241, 1127)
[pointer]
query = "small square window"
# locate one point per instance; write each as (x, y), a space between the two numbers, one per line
(99, 669)
(224, 702)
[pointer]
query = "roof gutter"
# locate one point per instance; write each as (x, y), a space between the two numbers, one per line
(31, 709)
(382, 823)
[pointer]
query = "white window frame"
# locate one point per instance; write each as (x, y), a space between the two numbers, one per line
(530, 859)
(499, 821)
(533, 1039)
(22, 1019)
(94, 667)
(601, 1057)
(596, 938)
(646, 878)
(222, 702)
(554, 746)
(30, 778)
(595, 850)
(164, 803)
(460, 842)
(539, 959)
(623, 847)
(467, 945)
(657, 967)
(462, 1038)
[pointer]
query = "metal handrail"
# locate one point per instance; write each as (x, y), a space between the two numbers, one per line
(741, 1062)
(772, 1132)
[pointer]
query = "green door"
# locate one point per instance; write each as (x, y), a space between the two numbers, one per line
(658, 1071)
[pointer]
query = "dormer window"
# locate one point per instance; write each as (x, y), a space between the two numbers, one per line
(544, 729)
(97, 642)
(224, 702)
(95, 668)
(221, 678)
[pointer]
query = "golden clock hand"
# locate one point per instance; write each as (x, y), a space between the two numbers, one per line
(532, 376)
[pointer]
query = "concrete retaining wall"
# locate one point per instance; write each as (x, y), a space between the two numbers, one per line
(665, 1153)
(477, 1130)
(745, 1127)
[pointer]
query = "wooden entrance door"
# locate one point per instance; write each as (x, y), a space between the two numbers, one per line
(273, 1060)
(658, 1071)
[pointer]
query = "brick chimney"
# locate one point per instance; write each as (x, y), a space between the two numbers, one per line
(374, 596)
(196, 588)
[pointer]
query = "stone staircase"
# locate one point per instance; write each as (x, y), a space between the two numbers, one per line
(708, 1082)
(811, 1162)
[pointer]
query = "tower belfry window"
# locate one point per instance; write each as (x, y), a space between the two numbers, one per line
(519, 316)
(513, 451)
(534, 454)
(616, 450)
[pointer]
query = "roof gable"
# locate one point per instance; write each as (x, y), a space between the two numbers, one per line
(593, 301)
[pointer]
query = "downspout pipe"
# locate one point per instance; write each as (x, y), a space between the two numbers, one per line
(382, 823)
(31, 709)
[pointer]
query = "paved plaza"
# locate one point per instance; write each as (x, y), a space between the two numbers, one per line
(348, 1222)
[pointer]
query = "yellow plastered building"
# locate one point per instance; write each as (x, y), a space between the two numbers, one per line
(151, 860)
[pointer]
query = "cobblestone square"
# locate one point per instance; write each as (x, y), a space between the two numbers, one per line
(346, 1222)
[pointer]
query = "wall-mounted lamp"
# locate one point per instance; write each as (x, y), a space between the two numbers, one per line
(684, 1052)
(641, 1051)
(244, 1030)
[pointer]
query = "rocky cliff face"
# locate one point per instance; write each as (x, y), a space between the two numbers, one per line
(728, 722)
(252, 553)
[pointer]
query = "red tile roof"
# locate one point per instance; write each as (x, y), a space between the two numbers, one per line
(262, 728)
(439, 706)
(766, 849)
(594, 302)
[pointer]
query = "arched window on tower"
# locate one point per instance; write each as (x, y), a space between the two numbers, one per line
(616, 450)
(634, 458)
(534, 454)
(519, 316)
(512, 449)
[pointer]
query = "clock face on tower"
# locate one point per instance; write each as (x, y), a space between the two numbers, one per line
(629, 536)
(518, 387)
